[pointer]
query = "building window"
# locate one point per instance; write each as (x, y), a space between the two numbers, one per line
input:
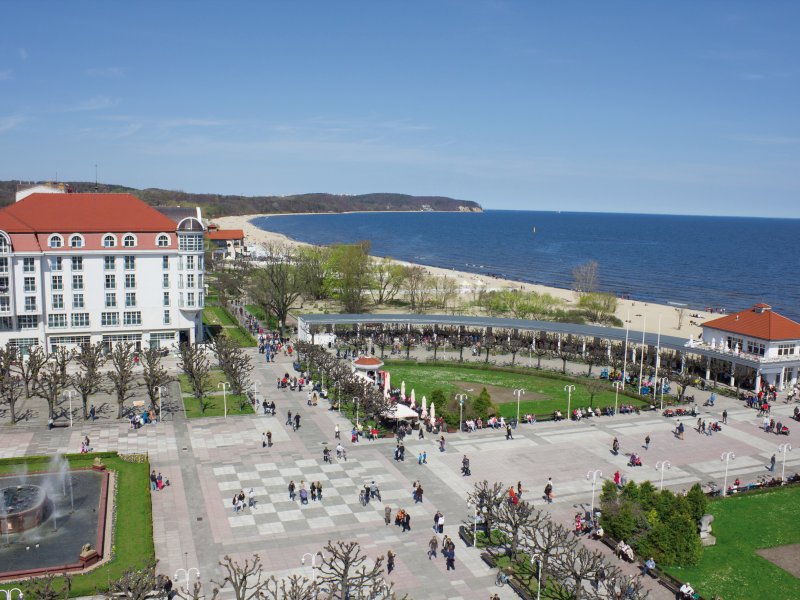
(5, 304)
(55, 263)
(130, 263)
(4, 262)
(129, 241)
(109, 319)
(77, 282)
(58, 301)
(165, 262)
(111, 282)
(77, 301)
(130, 299)
(132, 317)
(4, 285)
(166, 298)
(28, 265)
(109, 262)
(190, 262)
(30, 303)
(30, 284)
(190, 299)
(109, 241)
(130, 280)
(165, 280)
(55, 241)
(200, 280)
(190, 280)
(56, 320)
(162, 241)
(77, 263)
(79, 319)
(755, 348)
(733, 342)
(5, 246)
(199, 299)
(200, 263)
(180, 282)
(57, 282)
(28, 321)
(190, 243)
(786, 349)
(111, 301)
(166, 317)
(76, 241)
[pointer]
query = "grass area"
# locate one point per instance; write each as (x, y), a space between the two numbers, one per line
(743, 524)
(215, 406)
(217, 377)
(219, 320)
(133, 539)
(426, 377)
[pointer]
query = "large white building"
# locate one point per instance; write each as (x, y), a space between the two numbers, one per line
(86, 268)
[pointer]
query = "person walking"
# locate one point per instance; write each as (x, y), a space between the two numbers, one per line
(251, 498)
(319, 491)
(548, 490)
(433, 545)
(772, 463)
(264, 439)
(297, 422)
(387, 514)
(269, 439)
(288, 417)
(450, 555)
(421, 435)
(508, 432)
(291, 491)
(336, 434)
(407, 522)
(724, 417)
(647, 442)
(390, 562)
(680, 430)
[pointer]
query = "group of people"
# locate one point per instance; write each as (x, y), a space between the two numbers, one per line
(770, 426)
(137, 420)
(303, 493)
(157, 482)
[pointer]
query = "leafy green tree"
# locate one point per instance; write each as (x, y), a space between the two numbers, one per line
(482, 405)
(350, 274)
(598, 305)
(697, 501)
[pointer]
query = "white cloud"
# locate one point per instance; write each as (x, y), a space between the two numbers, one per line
(9, 123)
(107, 72)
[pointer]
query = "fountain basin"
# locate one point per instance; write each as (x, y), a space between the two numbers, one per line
(22, 507)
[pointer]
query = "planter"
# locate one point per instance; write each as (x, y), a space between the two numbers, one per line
(466, 535)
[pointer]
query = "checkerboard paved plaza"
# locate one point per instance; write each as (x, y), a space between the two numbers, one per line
(208, 460)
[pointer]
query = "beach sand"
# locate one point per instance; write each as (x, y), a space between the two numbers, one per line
(471, 283)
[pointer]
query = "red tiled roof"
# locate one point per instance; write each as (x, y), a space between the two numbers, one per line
(226, 234)
(367, 361)
(758, 322)
(82, 213)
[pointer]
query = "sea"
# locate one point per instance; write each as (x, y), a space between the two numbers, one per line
(724, 263)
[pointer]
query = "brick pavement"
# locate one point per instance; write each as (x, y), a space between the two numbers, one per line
(207, 460)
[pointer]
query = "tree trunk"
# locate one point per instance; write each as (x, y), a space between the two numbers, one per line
(120, 407)
(538, 361)
(487, 355)
(461, 354)
(85, 401)
(564, 365)
(435, 349)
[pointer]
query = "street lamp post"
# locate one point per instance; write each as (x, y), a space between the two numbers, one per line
(460, 399)
(593, 475)
(518, 393)
(338, 400)
(617, 385)
(662, 464)
(160, 390)
(569, 389)
(225, 387)
(313, 556)
(255, 395)
(69, 396)
(355, 401)
(784, 448)
(11, 591)
(538, 558)
(474, 525)
(727, 457)
(187, 573)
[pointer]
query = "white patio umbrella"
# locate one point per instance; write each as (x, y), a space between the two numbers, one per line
(424, 404)
(402, 390)
(713, 344)
(413, 399)
(386, 379)
(433, 411)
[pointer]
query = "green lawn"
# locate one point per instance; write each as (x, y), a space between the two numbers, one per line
(426, 377)
(217, 377)
(219, 320)
(133, 539)
(215, 406)
(743, 524)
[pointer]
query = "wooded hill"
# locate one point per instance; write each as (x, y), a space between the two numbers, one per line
(216, 205)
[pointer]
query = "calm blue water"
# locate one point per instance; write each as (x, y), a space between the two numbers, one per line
(728, 262)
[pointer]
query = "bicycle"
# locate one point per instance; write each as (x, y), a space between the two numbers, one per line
(501, 579)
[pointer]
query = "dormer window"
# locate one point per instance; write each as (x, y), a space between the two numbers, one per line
(76, 241)
(109, 241)
(55, 241)
(129, 241)
(163, 240)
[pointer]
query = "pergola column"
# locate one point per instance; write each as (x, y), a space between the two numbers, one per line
(758, 381)
(608, 349)
(583, 350)
(708, 368)
(683, 361)
(779, 384)
(793, 376)
(733, 369)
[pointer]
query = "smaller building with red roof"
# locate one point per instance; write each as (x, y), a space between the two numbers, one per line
(227, 243)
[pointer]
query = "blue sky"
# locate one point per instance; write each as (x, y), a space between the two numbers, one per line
(679, 107)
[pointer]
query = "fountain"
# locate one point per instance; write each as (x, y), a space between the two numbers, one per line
(47, 518)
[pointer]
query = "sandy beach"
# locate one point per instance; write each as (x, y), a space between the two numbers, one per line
(470, 283)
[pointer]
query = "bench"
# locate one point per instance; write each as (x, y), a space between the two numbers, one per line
(55, 424)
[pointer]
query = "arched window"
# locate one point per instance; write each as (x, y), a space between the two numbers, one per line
(76, 241)
(109, 241)
(129, 241)
(5, 245)
(55, 241)
(162, 241)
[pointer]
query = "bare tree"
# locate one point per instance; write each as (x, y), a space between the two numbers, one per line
(293, 587)
(50, 587)
(574, 568)
(28, 368)
(276, 286)
(387, 279)
(243, 579)
(594, 387)
(595, 355)
(585, 277)
(681, 312)
(541, 348)
(548, 540)
(11, 387)
(514, 520)
(134, 584)
(88, 380)
(415, 281)
(488, 498)
(121, 374)
(49, 385)
(566, 351)
(154, 374)
(195, 364)
(234, 362)
(344, 569)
